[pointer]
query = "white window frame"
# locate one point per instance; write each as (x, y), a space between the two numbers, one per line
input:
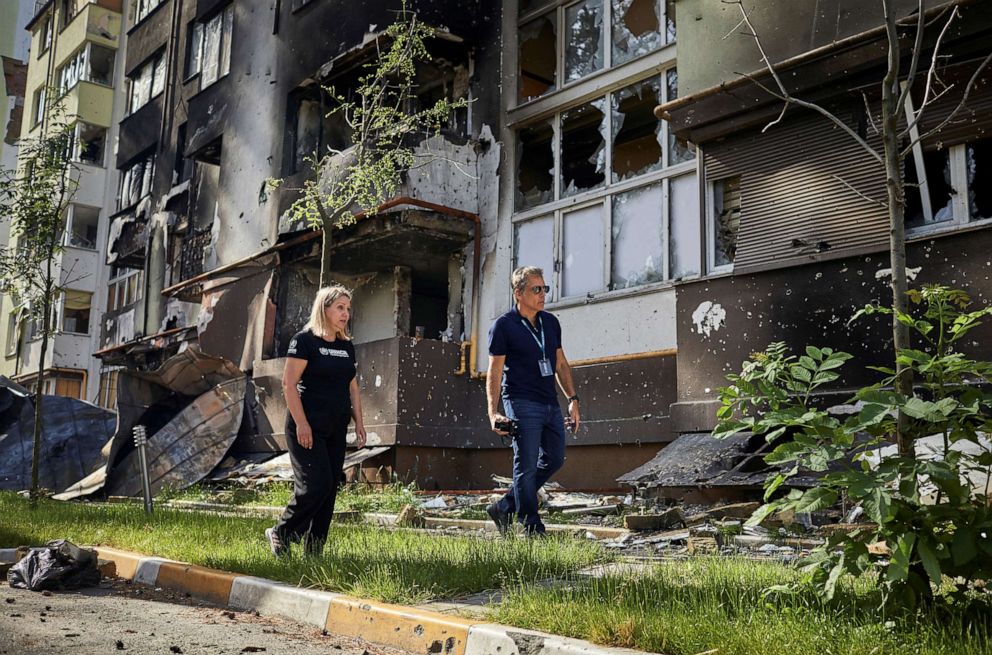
(960, 212)
(709, 233)
(559, 9)
(226, 18)
(559, 205)
(61, 314)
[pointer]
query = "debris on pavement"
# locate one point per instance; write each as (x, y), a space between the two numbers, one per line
(57, 565)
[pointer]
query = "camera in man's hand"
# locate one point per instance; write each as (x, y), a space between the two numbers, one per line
(509, 426)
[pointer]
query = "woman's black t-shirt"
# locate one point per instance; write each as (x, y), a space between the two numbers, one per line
(330, 368)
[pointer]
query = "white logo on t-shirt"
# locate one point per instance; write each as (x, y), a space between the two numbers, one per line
(333, 352)
(292, 347)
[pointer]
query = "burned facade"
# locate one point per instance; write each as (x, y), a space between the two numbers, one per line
(556, 161)
(794, 223)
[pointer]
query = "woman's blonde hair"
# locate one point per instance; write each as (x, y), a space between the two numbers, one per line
(318, 320)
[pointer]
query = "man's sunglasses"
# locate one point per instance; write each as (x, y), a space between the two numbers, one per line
(540, 289)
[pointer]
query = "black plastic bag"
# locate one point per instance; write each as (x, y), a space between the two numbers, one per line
(58, 565)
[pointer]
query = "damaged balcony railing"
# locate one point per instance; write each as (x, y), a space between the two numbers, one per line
(191, 256)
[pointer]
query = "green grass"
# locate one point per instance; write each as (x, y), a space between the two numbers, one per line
(719, 604)
(352, 497)
(390, 565)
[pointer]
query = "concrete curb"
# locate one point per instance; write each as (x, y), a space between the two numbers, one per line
(408, 628)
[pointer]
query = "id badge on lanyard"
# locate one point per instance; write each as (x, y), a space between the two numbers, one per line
(544, 364)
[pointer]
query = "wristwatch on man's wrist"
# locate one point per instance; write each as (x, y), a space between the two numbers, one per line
(574, 398)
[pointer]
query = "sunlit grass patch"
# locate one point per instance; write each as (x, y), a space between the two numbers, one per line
(719, 604)
(392, 565)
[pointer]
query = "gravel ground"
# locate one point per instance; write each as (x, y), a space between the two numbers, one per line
(120, 617)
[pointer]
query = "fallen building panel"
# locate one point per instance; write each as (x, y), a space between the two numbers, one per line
(73, 434)
(189, 446)
(700, 461)
(249, 470)
(154, 399)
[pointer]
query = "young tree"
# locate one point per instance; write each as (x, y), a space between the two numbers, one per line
(34, 199)
(898, 141)
(383, 125)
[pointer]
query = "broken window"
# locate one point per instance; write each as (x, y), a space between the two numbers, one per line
(583, 239)
(194, 48)
(535, 165)
(684, 244)
(107, 396)
(978, 160)
(670, 21)
(636, 131)
(583, 39)
(125, 288)
(638, 237)
(533, 245)
(91, 141)
(583, 148)
(13, 329)
(144, 7)
(136, 182)
(76, 311)
(538, 57)
(72, 71)
(85, 223)
(39, 106)
(679, 150)
(213, 60)
(183, 165)
(726, 198)
(636, 29)
(930, 201)
(101, 65)
(147, 82)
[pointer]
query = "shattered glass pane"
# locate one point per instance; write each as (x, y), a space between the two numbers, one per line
(583, 39)
(538, 57)
(141, 87)
(937, 168)
(638, 238)
(535, 166)
(683, 227)
(635, 29)
(533, 245)
(636, 131)
(679, 150)
(211, 52)
(225, 54)
(583, 148)
(582, 251)
(308, 120)
(158, 76)
(670, 21)
(726, 219)
(978, 156)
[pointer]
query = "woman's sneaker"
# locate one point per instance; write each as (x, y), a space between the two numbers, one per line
(276, 545)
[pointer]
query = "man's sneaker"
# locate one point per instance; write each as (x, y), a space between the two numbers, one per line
(499, 517)
(276, 545)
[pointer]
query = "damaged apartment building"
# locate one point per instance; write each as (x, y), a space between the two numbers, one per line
(72, 74)
(796, 232)
(557, 161)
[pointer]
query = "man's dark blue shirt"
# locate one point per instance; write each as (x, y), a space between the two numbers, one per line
(514, 337)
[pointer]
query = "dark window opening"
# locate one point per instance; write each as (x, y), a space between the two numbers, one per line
(92, 143)
(535, 163)
(583, 39)
(636, 145)
(979, 164)
(583, 148)
(636, 29)
(726, 219)
(183, 167)
(538, 57)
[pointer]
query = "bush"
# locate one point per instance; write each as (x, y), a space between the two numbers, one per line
(923, 507)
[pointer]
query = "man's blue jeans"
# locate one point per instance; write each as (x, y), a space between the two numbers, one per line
(538, 451)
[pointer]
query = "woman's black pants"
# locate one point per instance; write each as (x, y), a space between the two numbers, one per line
(317, 472)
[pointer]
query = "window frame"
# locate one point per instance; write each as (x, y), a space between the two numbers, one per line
(709, 230)
(224, 51)
(38, 106)
(151, 64)
(62, 310)
(559, 8)
(960, 212)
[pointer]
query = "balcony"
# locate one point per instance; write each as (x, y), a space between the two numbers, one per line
(93, 23)
(128, 240)
(91, 103)
(189, 264)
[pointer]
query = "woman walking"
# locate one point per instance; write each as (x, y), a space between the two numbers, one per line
(322, 395)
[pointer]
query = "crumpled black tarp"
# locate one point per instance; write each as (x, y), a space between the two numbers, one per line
(58, 565)
(73, 435)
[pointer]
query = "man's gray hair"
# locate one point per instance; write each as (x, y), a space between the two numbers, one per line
(519, 277)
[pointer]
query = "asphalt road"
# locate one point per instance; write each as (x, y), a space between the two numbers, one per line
(121, 618)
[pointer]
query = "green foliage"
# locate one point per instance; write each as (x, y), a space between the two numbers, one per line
(923, 508)
(383, 123)
(33, 200)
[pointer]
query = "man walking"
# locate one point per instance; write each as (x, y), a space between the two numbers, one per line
(525, 358)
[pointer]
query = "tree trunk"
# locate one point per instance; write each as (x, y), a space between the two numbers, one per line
(327, 241)
(39, 395)
(897, 228)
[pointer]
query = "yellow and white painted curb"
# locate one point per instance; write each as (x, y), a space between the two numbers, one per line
(408, 628)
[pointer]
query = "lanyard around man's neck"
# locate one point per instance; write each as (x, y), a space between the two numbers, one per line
(533, 332)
